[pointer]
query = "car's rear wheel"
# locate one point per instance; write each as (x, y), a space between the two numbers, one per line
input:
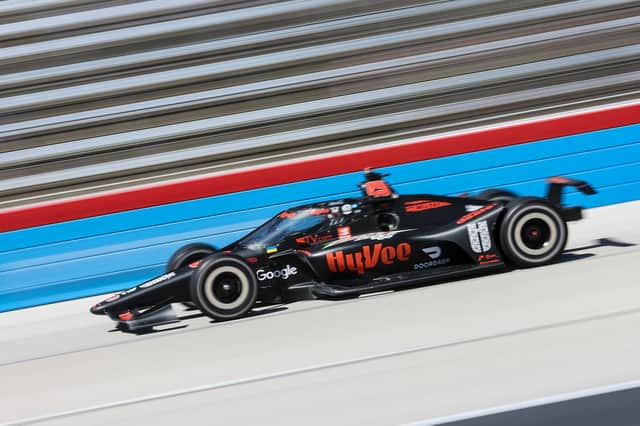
(224, 287)
(532, 233)
(495, 194)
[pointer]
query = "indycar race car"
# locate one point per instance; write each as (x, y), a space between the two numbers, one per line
(345, 248)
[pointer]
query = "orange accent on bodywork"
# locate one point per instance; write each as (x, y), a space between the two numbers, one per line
(421, 205)
(319, 212)
(125, 316)
(558, 179)
(344, 232)
(377, 188)
(475, 213)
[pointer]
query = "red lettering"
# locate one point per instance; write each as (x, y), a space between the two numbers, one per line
(367, 258)
(388, 254)
(313, 239)
(421, 205)
(335, 261)
(354, 262)
(403, 251)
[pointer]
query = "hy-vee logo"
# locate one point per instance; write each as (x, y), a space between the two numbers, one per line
(368, 258)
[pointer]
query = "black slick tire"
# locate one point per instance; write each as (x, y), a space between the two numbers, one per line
(532, 233)
(188, 254)
(495, 194)
(224, 287)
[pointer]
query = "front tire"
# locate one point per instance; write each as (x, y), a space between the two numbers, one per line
(188, 254)
(532, 233)
(224, 287)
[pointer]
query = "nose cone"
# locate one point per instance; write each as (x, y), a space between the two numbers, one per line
(97, 309)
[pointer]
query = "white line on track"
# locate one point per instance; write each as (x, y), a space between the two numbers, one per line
(313, 368)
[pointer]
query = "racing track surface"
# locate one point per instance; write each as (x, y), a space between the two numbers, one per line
(390, 358)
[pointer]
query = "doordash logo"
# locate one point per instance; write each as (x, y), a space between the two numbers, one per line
(368, 258)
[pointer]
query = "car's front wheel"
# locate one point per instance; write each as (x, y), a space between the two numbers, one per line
(224, 287)
(532, 233)
(186, 255)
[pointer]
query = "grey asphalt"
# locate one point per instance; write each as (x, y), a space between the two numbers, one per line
(619, 408)
(390, 358)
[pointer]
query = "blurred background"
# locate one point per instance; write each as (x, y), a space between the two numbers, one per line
(97, 95)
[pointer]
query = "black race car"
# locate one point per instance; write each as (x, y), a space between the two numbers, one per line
(345, 248)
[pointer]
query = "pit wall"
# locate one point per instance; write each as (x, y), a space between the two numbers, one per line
(79, 248)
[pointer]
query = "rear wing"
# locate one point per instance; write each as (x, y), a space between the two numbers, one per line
(555, 191)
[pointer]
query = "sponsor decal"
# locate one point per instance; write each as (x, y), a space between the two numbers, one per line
(282, 274)
(158, 280)
(432, 263)
(272, 249)
(112, 298)
(346, 209)
(467, 217)
(319, 212)
(472, 207)
(195, 264)
(344, 232)
(287, 215)
(422, 205)
(368, 257)
(313, 239)
(432, 252)
(479, 237)
(336, 221)
(376, 236)
(335, 209)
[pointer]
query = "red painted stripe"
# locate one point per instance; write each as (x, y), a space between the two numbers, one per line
(82, 207)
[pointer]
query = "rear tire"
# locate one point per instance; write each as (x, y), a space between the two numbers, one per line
(532, 233)
(495, 194)
(224, 287)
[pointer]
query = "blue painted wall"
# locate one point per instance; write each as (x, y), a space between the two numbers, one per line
(111, 252)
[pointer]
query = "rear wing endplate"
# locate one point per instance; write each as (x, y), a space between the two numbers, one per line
(555, 191)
